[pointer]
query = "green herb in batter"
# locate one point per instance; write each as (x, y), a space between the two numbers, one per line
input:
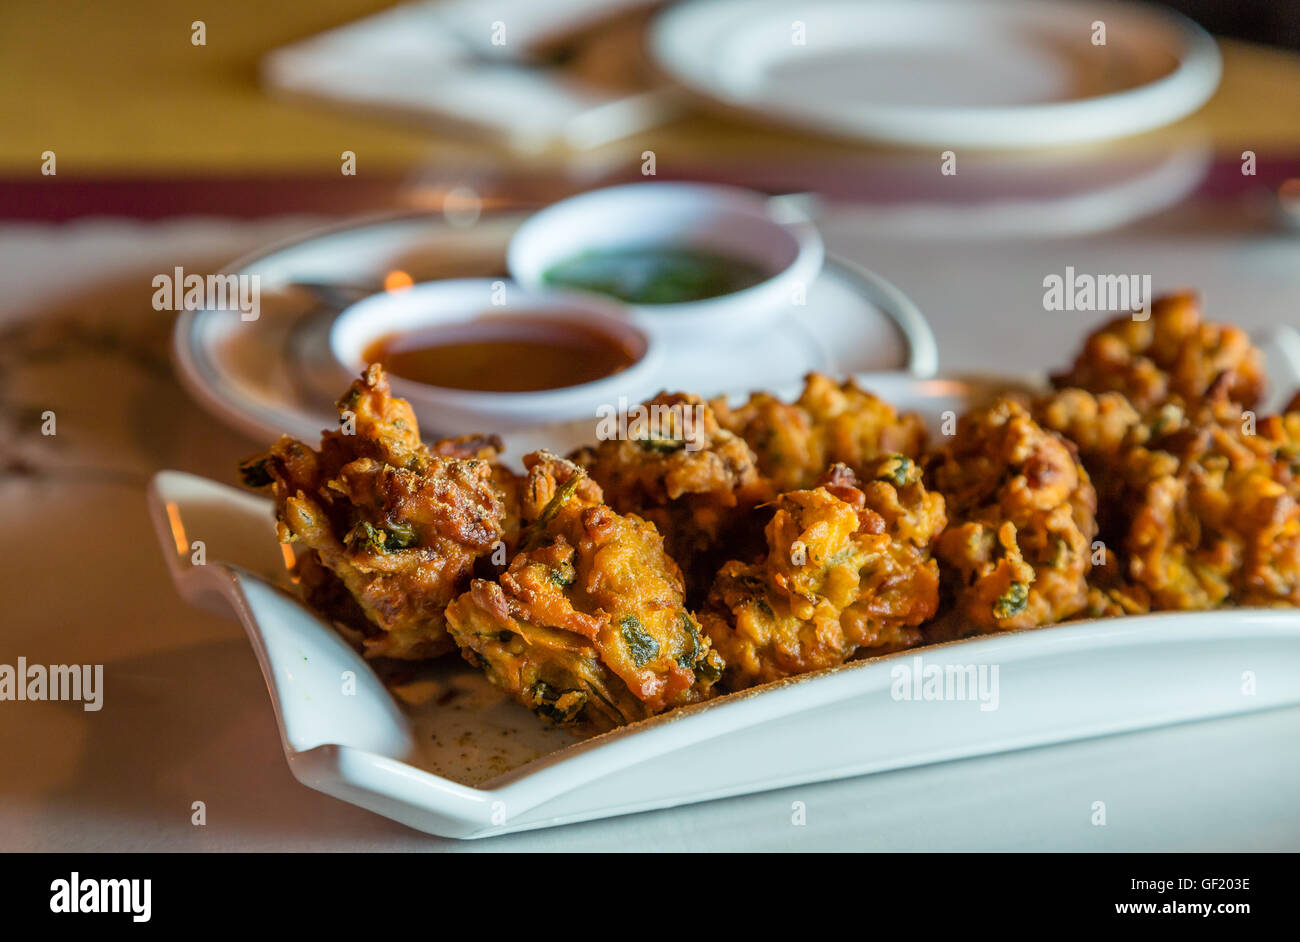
(1013, 602)
(640, 644)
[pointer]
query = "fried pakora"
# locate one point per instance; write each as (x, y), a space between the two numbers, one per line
(830, 423)
(847, 570)
(1171, 356)
(1023, 515)
(587, 626)
(385, 531)
(1203, 508)
(697, 482)
(1111, 593)
(809, 532)
(507, 483)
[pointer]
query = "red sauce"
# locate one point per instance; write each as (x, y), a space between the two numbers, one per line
(502, 354)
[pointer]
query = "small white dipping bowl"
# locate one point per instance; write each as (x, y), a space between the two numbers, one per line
(447, 411)
(724, 220)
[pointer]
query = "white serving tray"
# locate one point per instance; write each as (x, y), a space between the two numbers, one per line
(468, 763)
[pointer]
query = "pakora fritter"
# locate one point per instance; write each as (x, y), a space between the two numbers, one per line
(385, 531)
(506, 482)
(1202, 509)
(848, 569)
(830, 423)
(1216, 513)
(1023, 515)
(697, 482)
(587, 626)
(1111, 592)
(1172, 356)
(706, 547)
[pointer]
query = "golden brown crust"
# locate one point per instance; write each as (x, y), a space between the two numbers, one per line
(579, 609)
(1214, 511)
(1097, 423)
(830, 423)
(395, 525)
(1023, 513)
(587, 626)
(507, 484)
(695, 481)
(847, 569)
(1201, 507)
(1112, 593)
(1173, 356)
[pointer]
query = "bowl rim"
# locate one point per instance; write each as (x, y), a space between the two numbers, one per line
(596, 312)
(808, 258)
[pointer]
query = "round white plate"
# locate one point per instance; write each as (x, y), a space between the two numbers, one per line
(274, 375)
(950, 73)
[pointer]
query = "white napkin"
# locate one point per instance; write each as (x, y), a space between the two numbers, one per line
(438, 63)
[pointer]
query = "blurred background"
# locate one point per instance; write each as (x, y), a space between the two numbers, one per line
(268, 121)
(1277, 24)
(136, 112)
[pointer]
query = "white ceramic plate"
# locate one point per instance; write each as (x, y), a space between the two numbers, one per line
(465, 762)
(275, 375)
(949, 73)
